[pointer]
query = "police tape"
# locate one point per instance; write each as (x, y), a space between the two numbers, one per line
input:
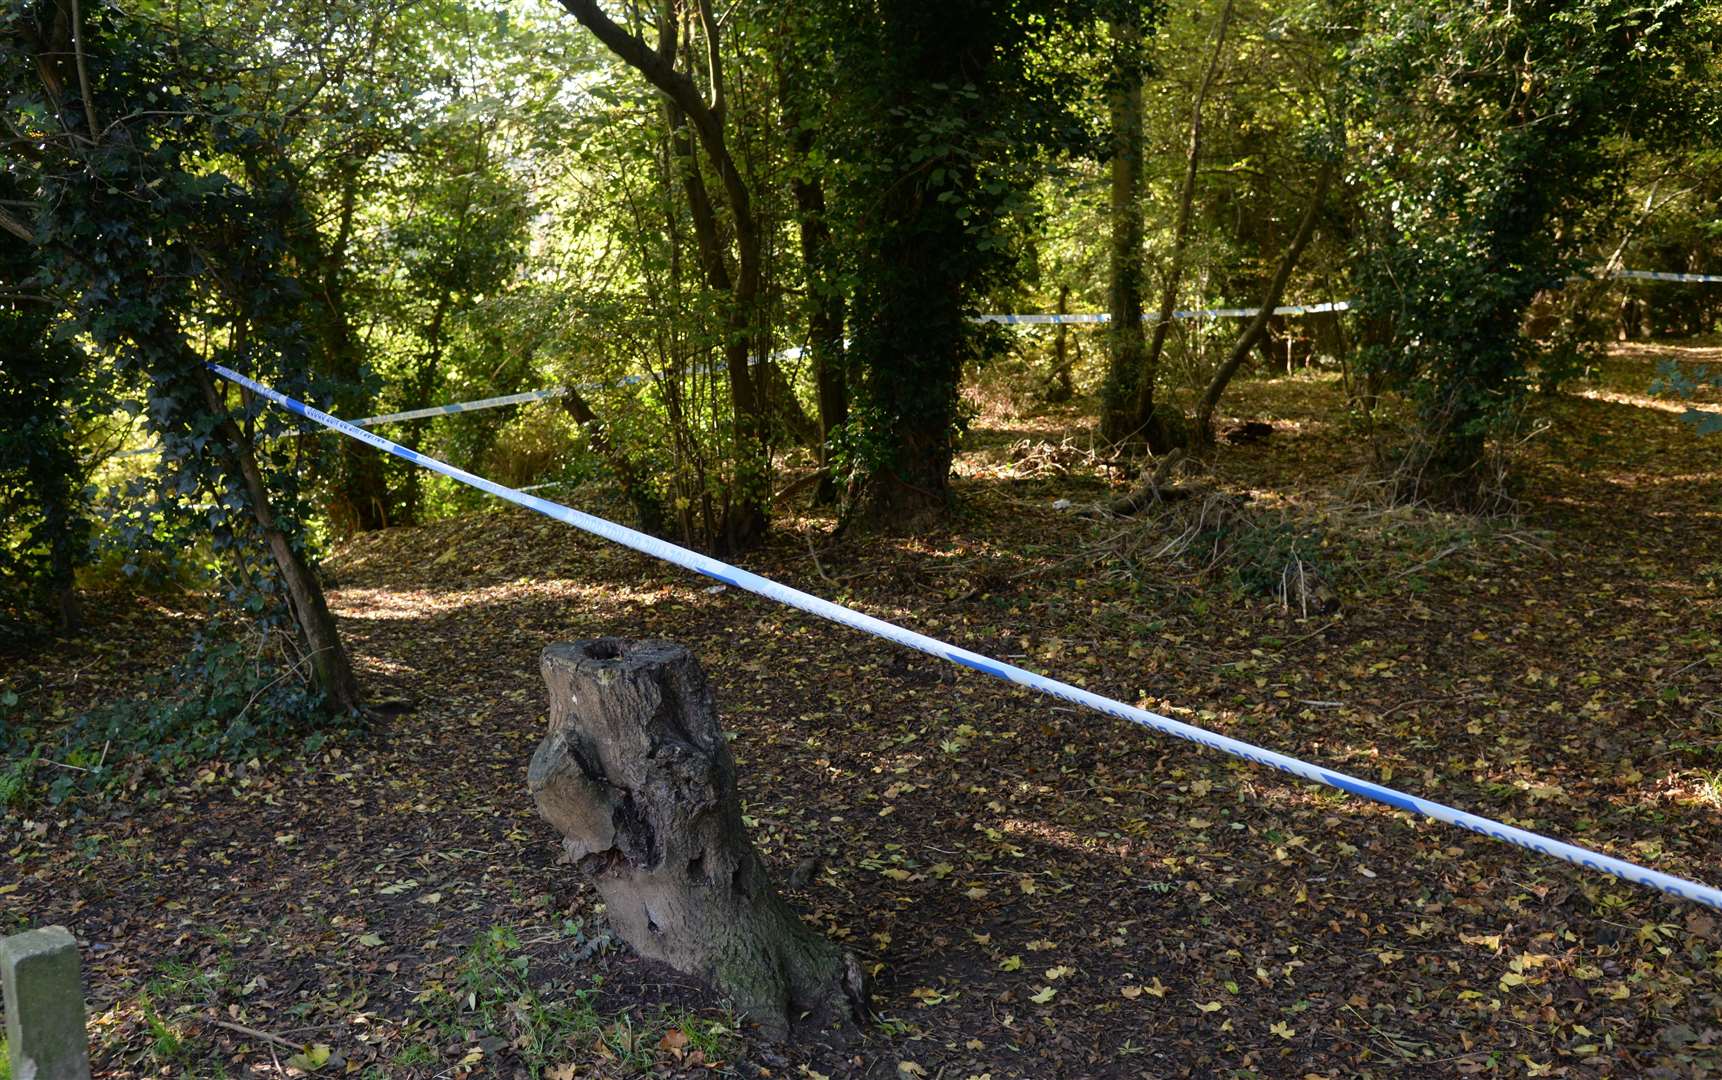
(1091, 317)
(462, 406)
(837, 613)
(1667, 275)
(1023, 319)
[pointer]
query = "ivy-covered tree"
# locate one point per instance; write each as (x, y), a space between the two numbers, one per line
(47, 394)
(121, 134)
(1483, 133)
(936, 118)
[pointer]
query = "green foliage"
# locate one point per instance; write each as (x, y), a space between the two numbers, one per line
(937, 117)
(232, 699)
(494, 991)
(47, 394)
(1483, 137)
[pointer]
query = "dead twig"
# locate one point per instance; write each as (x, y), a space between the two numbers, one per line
(253, 1033)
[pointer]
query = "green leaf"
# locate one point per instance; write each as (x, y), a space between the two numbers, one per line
(311, 1058)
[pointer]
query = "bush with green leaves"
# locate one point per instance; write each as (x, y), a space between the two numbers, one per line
(233, 698)
(1483, 135)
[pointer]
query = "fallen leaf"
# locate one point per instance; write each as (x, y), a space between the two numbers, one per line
(311, 1058)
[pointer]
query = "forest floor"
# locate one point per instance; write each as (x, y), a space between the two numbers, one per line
(1039, 891)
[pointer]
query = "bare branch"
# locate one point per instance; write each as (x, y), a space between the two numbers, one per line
(91, 124)
(17, 228)
(714, 62)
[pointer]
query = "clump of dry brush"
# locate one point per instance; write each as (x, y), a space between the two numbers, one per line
(1189, 543)
(1300, 551)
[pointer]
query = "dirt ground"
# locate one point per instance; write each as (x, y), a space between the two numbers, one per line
(1038, 891)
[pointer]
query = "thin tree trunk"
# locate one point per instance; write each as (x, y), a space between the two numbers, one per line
(1126, 350)
(826, 308)
(1059, 388)
(364, 493)
(648, 509)
(745, 518)
(424, 381)
(329, 661)
(1142, 415)
(1201, 431)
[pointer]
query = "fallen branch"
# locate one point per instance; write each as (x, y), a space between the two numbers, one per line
(1151, 489)
(262, 1036)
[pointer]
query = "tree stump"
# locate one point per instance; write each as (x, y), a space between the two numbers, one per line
(637, 776)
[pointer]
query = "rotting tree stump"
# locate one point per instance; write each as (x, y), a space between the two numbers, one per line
(637, 776)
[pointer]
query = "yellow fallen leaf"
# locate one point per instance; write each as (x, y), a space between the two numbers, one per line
(896, 874)
(1156, 988)
(1053, 974)
(975, 893)
(909, 1068)
(1212, 1006)
(1282, 1029)
(1010, 963)
(1130, 992)
(1046, 994)
(315, 1057)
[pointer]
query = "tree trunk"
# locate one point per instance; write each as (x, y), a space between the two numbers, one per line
(648, 508)
(424, 383)
(334, 671)
(1201, 431)
(1126, 360)
(1058, 385)
(363, 488)
(637, 776)
(826, 309)
(1143, 420)
(782, 404)
(745, 518)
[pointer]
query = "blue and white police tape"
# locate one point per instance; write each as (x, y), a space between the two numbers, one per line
(837, 613)
(1667, 275)
(1090, 317)
(461, 406)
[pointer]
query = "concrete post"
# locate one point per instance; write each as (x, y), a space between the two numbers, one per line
(45, 1035)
